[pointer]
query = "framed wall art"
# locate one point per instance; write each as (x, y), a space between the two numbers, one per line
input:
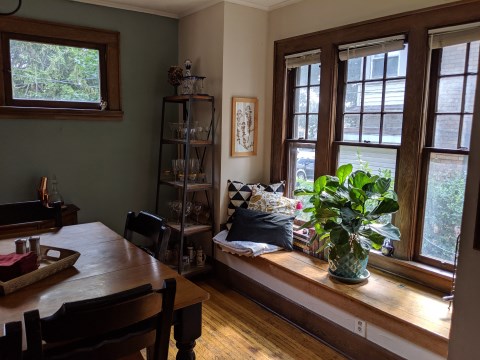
(244, 126)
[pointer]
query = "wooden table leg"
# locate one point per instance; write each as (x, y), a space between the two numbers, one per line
(187, 328)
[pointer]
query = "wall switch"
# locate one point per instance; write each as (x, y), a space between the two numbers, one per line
(360, 327)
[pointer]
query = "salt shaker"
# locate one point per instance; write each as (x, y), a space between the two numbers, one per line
(20, 246)
(34, 243)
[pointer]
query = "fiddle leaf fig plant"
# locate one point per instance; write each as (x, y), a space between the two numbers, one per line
(348, 212)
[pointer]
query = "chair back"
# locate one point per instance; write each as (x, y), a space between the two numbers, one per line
(108, 327)
(151, 226)
(30, 211)
(11, 342)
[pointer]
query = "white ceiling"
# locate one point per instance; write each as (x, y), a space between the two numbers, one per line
(179, 8)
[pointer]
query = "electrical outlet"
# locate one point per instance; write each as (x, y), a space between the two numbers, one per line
(360, 327)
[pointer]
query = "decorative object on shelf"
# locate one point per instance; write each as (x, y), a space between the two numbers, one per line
(190, 83)
(244, 126)
(19, 5)
(200, 257)
(348, 214)
(42, 191)
(54, 195)
(175, 75)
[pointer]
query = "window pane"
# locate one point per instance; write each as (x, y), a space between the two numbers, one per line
(300, 124)
(315, 74)
(351, 127)
(466, 131)
(444, 205)
(353, 98)
(302, 75)
(473, 58)
(374, 160)
(392, 128)
(402, 61)
(394, 95)
(446, 131)
(355, 68)
(376, 63)
(392, 65)
(371, 128)
(470, 93)
(54, 72)
(453, 59)
(305, 167)
(314, 99)
(300, 100)
(373, 97)
(312, 127)
(450, 92)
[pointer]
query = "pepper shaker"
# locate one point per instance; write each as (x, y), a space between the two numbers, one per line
(34, 243)
(20, 246)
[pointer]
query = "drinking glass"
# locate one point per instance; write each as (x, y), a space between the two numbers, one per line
(197, 210)
(175, 169)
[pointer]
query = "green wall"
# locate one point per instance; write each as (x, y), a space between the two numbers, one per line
(104, 167)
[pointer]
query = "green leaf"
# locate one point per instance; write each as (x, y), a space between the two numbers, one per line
(386, 206)
(359, 179)
(386, 230)
(319, 184)
(343, 172)
(339, 236)
(359, 251)
(375, 240)
(382, 185)
(303, 192)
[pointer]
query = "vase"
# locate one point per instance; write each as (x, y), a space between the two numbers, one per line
(348, 267)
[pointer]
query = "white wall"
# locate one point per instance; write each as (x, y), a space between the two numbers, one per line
(466, 310)
(228, 44)
(200, 39)
(244, 67)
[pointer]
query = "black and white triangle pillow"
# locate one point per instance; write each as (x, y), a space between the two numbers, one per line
(239, 195)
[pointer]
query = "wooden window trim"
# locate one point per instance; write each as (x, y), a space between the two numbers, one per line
(63, 34)
(415, 26)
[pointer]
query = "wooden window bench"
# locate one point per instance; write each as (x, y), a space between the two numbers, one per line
(403, 319)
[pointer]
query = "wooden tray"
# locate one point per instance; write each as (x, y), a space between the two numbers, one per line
(53, 260)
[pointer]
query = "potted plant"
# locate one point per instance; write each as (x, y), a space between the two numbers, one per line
(348, 214)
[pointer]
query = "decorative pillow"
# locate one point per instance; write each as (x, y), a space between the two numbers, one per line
(239, 194)
(261, 227)
(271, 202)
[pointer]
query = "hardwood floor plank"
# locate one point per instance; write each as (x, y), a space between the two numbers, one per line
(236, 328)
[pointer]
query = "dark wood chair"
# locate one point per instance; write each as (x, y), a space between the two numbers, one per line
(109, 327)
(29, 212)
(11, 342)
(152, 227)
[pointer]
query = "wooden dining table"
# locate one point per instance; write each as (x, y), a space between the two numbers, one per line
(107, 264)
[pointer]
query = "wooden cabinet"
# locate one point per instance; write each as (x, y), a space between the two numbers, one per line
(186, 166)
(69, 217)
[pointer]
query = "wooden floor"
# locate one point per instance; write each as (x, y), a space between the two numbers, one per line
(237, 328)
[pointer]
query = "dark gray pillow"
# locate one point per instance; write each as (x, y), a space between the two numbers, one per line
(262, 227)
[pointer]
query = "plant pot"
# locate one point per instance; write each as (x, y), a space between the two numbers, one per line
(349, 268)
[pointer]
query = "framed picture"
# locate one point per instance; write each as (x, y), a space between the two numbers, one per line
(244, 126)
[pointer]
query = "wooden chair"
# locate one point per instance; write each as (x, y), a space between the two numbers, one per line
(29, 212)
(11, 342)
(109, 327)
(151, 226)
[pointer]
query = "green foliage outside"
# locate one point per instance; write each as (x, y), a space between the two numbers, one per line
(54, 72)
(443, 214)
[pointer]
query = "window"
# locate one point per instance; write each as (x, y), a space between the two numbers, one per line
(371, 104)
(50, 73)
(394, 100)
(453, 77)
(304, 84)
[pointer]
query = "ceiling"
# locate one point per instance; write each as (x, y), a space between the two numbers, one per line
(179, 8)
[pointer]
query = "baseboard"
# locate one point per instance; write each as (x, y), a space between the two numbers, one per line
(326, 331)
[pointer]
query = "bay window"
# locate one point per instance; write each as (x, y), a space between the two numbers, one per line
(396, 99)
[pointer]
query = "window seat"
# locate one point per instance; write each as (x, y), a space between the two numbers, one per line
(405, 309)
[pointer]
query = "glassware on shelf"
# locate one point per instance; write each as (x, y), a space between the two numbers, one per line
(54, 195)
(175, 169)
(197, 210)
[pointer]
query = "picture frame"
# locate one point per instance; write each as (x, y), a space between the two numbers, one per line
(244, 126)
